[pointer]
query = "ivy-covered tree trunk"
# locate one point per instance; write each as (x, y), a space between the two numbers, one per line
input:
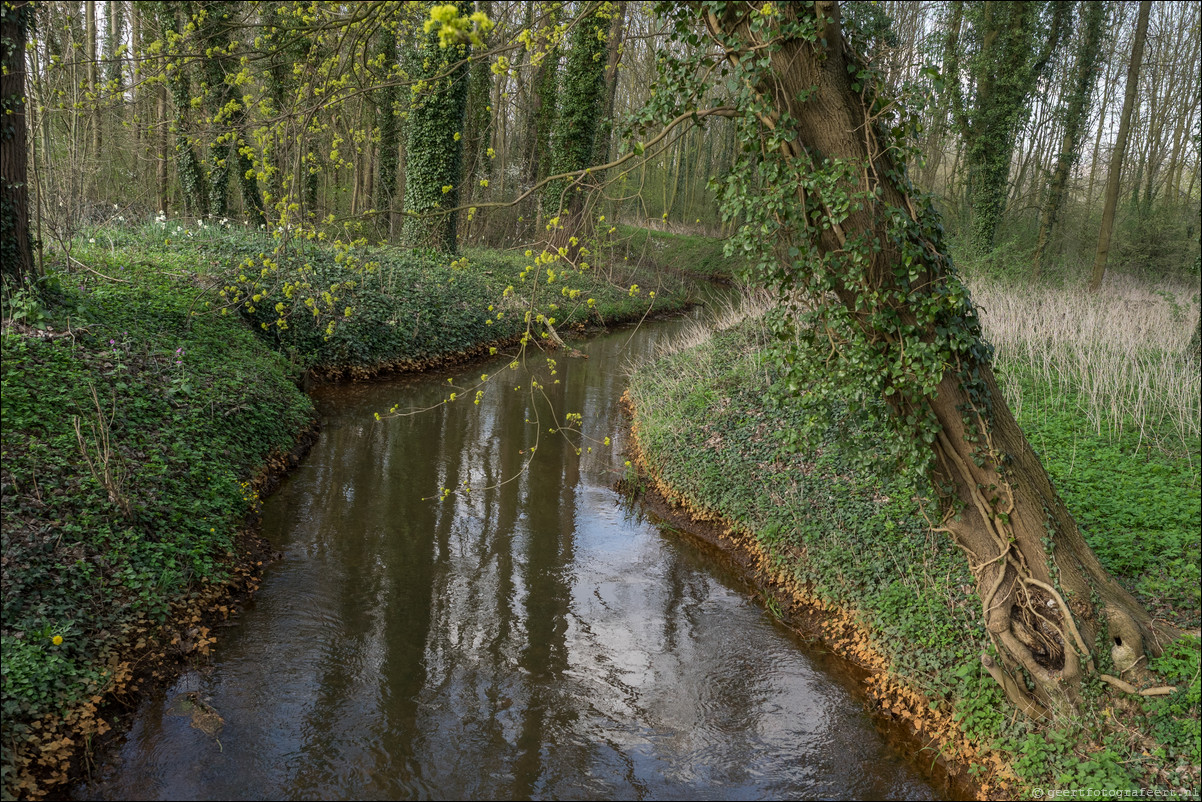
(16, 248)
(191, 176)
(574, 137)
(847, 230)
(540, 117)
(1076, 114)
(478, 125)
(214, 38)
(434, 142)
(226, 117)
(1012, 47)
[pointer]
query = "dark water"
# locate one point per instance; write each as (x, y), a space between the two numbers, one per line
(533, 637)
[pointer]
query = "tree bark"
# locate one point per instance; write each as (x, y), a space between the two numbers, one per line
(16, 248)
(93, 85)
(1045, 606)
(1116, 160)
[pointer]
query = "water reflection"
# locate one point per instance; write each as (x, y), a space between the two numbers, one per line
(530, 639)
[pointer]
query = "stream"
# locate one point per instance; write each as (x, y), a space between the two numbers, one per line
(534, 637)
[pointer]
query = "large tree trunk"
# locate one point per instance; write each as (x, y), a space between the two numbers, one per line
(16, 252)
(1045, 606)
(1116, 160)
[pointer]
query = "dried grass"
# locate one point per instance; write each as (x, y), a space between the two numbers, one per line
(1120, 356)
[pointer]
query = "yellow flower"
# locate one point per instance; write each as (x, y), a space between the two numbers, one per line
(56, 640)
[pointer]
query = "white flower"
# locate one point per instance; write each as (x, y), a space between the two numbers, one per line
(92, 240)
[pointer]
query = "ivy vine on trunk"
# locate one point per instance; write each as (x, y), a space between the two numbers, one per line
(1010, 45)
(832, 219)
(16, 247)
(581, 99)
(434, 142)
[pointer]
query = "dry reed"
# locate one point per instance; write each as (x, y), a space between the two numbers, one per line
(1120, 356)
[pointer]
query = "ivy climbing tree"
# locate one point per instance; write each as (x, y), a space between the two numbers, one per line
(1009, 46)
(226, 114)
(1076, 114)
(858, 257)
(16, 248)
(434, 140)
(577, 121)
(191, 175)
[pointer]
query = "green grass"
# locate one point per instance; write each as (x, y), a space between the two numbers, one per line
(713, 428)
(174, 414)
(689, 254)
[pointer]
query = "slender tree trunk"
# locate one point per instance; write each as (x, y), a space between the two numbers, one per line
(574, 139)
(386, 101)
(163, 125)
(1116, 160)
(1107, 93)
(612, 63)
(1047, 601)
(478, 125)
(93, 88)
(950, 67)
(135, 74)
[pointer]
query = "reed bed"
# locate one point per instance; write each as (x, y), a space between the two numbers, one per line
(1121, 357)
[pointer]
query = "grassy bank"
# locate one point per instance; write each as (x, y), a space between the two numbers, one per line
(142, 401)
(855, 542)
(130, 441)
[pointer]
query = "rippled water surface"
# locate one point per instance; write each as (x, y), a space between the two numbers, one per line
(532, 638)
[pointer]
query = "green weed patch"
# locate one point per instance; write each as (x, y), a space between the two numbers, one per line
(127, 446)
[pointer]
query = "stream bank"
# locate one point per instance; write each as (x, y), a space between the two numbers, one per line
(811, 498)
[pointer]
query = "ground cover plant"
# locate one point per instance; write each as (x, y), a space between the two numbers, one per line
(829, 510)
(131, 431)
(344, 306)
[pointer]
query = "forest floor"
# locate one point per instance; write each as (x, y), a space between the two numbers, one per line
(1107, 390)
(146, 412)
